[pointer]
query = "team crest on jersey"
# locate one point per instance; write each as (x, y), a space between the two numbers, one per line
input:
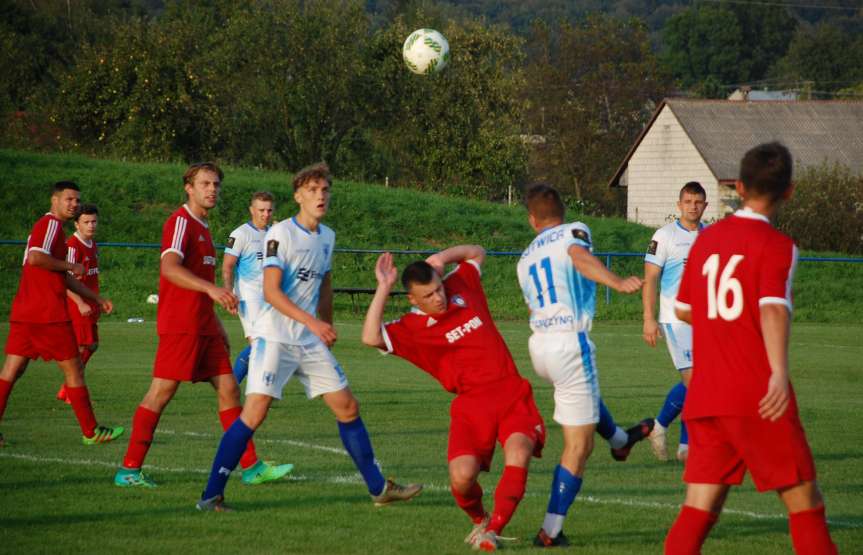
(230, 242)
(272, 247)
(581, 235)
(326, 250)
(458, 300)
(651, 248)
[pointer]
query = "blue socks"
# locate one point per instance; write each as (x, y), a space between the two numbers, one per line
(355, 438)
(228, 455)
(673, 405)
(606, 426)
(564, 487)
(241, 365)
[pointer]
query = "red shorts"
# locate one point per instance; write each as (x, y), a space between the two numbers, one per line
(53, 341)
(479, 418)
(191, 358)
(86, 329)
(723, 448)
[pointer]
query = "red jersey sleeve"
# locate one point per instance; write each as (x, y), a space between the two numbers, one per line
(175, 237)
(399, 341)
(778, 263)
(44, 237)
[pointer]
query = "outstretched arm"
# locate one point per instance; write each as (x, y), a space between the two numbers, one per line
(386, 274)
(460, 253)
(593, 269)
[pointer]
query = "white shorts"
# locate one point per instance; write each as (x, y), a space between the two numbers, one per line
(678, 337)
(567, 360)
(272, 365)
(248, 312)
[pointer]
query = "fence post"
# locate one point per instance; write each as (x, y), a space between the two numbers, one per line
(607, 288)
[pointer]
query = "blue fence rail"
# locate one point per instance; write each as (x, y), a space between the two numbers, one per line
(607, 256)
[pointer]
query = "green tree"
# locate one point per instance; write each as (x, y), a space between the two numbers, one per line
(825, 57)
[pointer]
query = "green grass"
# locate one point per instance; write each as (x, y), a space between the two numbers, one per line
(135, 199)
(57, 495)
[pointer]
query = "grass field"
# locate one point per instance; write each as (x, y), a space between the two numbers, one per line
(57, 495)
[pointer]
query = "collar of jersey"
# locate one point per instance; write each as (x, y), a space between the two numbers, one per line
(299, 225)
(749, 214)
(255, 228)
(88, 244)
(194, 217)
(680, 225)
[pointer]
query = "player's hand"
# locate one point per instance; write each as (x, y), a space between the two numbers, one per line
(435, 262)
(650, 332)
(773, 405)
(84, 309)
(385, 271)
(225, 298)
(76, 270)
(630, 284)
(105, 305)
(323, 330)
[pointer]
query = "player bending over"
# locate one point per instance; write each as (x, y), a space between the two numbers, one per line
(292, 335)
(740, 408)
(39, 325)
(451, 335)
(243, 270)
(558, 275)
(664, 262)
(193, 346)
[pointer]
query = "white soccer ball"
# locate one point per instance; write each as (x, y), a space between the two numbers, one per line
(425, 51)
(153, 299)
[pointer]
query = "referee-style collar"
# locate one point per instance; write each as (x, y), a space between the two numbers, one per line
(749, 214)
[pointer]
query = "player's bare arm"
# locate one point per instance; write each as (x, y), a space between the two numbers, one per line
(325, 301)
(174, 271)
(683, 314)
(650, 328)
(48, 262)
(82, 290)
(775, 327)
(593, 269)
(274, 295)
(386, 274)
(83, 307)
(229, 264)
(456, 254)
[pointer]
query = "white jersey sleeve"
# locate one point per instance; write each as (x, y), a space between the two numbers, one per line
(247, 244)
(669, 250)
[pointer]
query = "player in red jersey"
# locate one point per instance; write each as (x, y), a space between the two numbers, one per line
(81, 249)
(741, 409)
(39, 325)
(451, 335)
(193, 346)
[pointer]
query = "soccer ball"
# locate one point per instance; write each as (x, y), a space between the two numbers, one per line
(425, 51)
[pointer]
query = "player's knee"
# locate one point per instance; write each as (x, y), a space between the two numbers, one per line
(462, 479)
(345, 407)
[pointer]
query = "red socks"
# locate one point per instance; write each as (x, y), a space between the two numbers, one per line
(79, 398)
(143, 427)
(809, 533)
(5, 390)
(689, 531)
(471, 502)
(227, 417)
(510, 490)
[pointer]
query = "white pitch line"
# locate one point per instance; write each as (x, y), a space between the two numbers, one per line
(264, 440)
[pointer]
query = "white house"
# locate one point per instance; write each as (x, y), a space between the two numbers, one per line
(704, 140)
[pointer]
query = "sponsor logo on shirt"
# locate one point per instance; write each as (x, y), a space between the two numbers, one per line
(93, 271)
(305, 274)
(460, 331)
(326, 250)
(209, 261)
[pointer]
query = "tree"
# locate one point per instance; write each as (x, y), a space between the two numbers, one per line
(825, 56)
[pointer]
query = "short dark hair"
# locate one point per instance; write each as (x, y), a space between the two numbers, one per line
(89, 209)
(693, 188)
(310, 173)
(265, 196)
(61, 186)
(544, 203)
(766, 170)
(420, 272)
(192, 171)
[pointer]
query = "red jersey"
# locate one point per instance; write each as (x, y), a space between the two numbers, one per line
(461, 348)
(41, 296)
(182, 310)
(84, 252)
(735, 267)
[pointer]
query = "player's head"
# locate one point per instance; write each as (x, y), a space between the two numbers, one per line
(86, 220)
(544, 206)
(65, 197)
(765, 173)
(202, 182)
(424, 287)
(261, 209)
(692, 202)
(312, 190)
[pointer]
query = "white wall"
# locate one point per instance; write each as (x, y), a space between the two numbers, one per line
(664, 161)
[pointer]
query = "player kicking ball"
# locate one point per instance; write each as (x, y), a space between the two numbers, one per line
(193, 346)
(39, 325)
(740, 409)
(664, 262)
(451, 335)
(292, 336)
(558, 274)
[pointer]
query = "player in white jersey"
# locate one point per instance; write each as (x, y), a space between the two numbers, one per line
(292, 335)
(558, 275)
(243, 270)
(664, 262)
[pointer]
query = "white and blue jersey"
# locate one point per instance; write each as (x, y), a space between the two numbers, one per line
(305, 258)
(669, 249)
(247, 244)
(559, 298)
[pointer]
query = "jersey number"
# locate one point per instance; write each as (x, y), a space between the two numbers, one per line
(717, 297)
(534, 273)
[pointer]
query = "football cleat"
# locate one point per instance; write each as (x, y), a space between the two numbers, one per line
(214, 504)
(682, 452)
(396, 492)
(477, 529)
(261, 472)
(103, 434)
(658, 442)
(544, 540)
(132, 478)
(486, 541)
(635, 434)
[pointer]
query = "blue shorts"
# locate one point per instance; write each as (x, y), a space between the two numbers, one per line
(678, 337)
